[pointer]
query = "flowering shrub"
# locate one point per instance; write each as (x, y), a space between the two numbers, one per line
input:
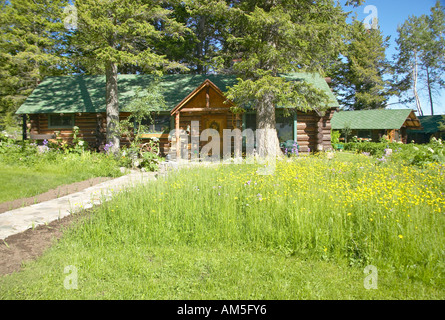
(292, 151)
(371, 148)
(412, 154)
(141, 155)
(420, 155)
(107, 147)
(16, 152)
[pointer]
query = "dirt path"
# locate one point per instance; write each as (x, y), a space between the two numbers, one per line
(31, 243)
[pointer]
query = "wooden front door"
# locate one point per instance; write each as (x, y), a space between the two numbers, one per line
(217, 122)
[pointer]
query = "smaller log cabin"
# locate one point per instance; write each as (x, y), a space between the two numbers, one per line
(372, 125)
(431, 128)
(60, 103)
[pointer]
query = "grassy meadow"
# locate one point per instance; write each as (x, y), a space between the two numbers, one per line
(306, 232)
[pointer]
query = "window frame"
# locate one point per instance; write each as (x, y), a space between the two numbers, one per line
(152, 126)
(51, 119)
(289, 121)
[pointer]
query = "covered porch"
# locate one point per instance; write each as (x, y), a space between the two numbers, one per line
(204, 108)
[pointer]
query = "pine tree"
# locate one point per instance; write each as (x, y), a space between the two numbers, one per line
(207, 24)
(358, 77)
(32, 46)
(273, 37)
(112, 34)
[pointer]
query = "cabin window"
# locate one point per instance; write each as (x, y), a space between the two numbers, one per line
(157, 124)
(60, 121)
(285, 127)
(365, 134)
(250, 121)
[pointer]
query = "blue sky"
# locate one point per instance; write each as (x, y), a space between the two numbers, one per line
(392, 13)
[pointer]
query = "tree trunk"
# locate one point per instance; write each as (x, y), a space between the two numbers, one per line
(200, 46)
(267, 137)
(113, 135)
(429, 90)
(416, 96)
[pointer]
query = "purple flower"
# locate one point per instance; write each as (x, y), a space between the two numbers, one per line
(45, 142)
(108, 146)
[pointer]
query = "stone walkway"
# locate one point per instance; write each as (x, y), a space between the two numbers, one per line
(19, 220)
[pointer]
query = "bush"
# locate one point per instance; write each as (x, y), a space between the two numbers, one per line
(369, 148)
(335, 137)
(141, 155)
(410, 154)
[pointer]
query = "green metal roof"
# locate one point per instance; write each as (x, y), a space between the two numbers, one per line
(317, 81)
(72, 94)
(430, 124)
(370, 119)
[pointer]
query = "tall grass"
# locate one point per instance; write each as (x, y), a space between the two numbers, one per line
(307, 231)
(358, 212)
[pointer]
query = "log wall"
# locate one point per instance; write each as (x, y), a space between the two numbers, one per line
(92, 128)
(313, 131)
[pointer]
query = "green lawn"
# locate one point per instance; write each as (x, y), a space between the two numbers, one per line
(22, 181)
(306, 232)
(131, 271)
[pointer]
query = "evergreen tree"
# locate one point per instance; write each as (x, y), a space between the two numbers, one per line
(272, 37)
(358, 77)
(111, 34)
(207, 24)
(32, 46)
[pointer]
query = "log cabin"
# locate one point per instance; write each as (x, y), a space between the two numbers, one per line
(372, 125)
(431, 128)
(60, 103)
